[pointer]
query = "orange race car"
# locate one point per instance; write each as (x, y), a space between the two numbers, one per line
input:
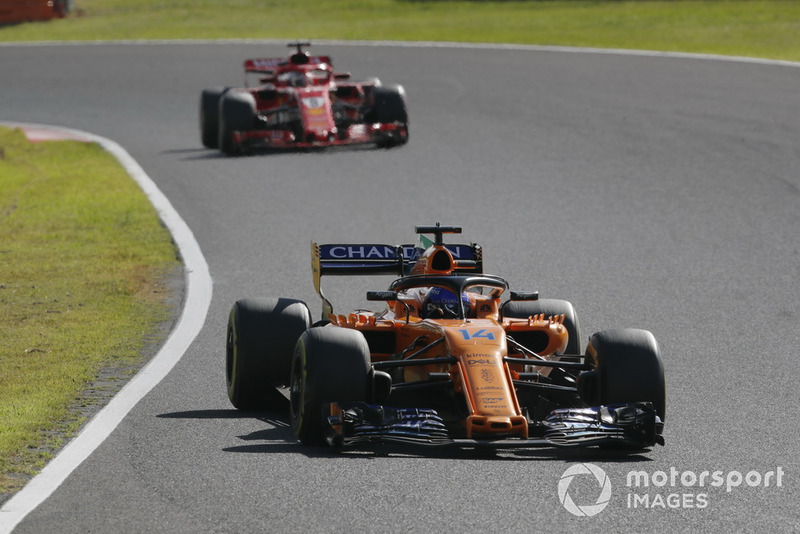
(301, 102)
(448, 361)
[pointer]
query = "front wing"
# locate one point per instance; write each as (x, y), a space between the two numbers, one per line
(354, 134)
(630, 425)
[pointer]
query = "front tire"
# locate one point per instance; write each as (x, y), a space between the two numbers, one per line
(389, 106)
(260, 342)
(237, 112)
(330, 364)
(209, 116)
(628, 369)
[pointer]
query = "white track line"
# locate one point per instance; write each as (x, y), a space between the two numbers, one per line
(196, 304)
(421, 44)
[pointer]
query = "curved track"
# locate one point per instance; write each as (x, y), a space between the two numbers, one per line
(659, 193)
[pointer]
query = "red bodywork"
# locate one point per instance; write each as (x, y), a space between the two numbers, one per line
(14, 11)
(300, 102)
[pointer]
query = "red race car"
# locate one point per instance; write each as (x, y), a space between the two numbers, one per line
(301, 102)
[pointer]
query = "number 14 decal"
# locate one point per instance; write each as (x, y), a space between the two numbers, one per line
(477, 334)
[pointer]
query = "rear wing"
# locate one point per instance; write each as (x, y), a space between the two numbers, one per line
(377, 259)
(270, 64)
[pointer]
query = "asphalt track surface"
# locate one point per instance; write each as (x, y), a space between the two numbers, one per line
(653, 192)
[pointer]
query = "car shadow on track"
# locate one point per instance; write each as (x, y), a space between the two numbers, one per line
(277, 437)
(488, 453)
(207, 414)
(208, 154)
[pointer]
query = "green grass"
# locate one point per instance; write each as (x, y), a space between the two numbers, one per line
(83, 260)
(759, 28)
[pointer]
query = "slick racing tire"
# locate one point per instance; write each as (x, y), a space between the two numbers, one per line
(330, 364)
(259, 345)
(209, 116)
(237, 112)
(628, 368)
(389, 106)
(549, 307)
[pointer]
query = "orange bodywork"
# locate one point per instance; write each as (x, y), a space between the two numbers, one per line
(476, 346)
(479, 345)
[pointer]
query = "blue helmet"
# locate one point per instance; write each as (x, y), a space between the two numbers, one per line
(441, 303)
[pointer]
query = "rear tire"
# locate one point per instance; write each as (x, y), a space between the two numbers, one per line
(209, 116)
(330, 364)
(259, 345)
(549, 307)
(628, 369)
(237, 112)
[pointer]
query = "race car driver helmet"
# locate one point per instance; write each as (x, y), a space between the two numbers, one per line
(441, 303)
(293, 78)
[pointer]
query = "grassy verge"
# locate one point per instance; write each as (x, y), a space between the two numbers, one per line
(759, 28)
(83, 264)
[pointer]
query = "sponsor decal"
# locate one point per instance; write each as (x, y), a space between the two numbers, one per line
(266, 62)
(313, 102)
(459, 252)
(384, 251)
(361, 252)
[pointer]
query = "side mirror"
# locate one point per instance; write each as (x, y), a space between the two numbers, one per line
(384, 296)
(517, 296)
(524, 295)
(388, 296)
